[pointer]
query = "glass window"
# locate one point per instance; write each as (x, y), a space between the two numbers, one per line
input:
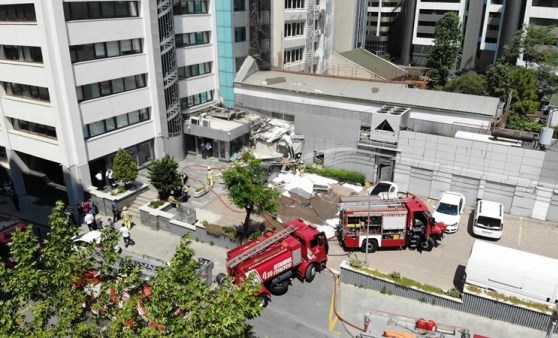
(79, 92)
(126, 47)
(100, 51)
(117, 85)
(122, 121)
(140, 80)
(136, 45)
(94, 90)
(134, 117)
(144, 114)
(130, 83)
(105, 88)
(94, 10)
(112, 48)
(110, 123)
(121, 8)
(86, 52)
(79, 10)
(96, 128)
(85, 130)
(108, 9)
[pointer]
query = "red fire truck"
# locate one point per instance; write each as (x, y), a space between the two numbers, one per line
(369, 223)
(275, 258)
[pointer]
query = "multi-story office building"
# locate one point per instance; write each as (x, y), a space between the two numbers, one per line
(406, 28)
(81, 79)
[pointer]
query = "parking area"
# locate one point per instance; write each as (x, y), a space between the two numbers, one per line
(444, 265)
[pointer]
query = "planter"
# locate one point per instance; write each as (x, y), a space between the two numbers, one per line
(199, 192)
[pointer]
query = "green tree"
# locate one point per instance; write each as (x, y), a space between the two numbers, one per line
(447, 43)
(470, 83)
(163, 174)
(498, 81)
(247, 188)
(47, 295)
(536, 43)
(525, 97)
(124, 168)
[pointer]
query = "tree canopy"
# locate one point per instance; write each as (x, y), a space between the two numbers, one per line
(60, 291)
(248, 190)
(470, 83)
(447, 43)
(525, 97)
(164, 176)
(498, 81)
(535, 43)
(124, 167)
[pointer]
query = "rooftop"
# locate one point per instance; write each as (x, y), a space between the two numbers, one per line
(383, 93)
(374, 63)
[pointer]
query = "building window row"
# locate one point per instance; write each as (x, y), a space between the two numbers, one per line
(545, 3)
(26, 91)
(239, 34)
(101, 50)
(294, 4)
(194, 70)
(196, 99)
(115, 122)
(239, 5)
(192, 39)
(294, 29)
(33, 128)
(181, 7)
(100, 10)
(21, 53)
(110, 87)
(293, 55)
(23, 12)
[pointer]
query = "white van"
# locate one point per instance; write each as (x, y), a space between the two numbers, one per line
(489, 219)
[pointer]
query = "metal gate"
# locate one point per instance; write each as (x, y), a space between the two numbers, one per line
(420, 181)
(498, 192)
(552, 214)
(468, 186)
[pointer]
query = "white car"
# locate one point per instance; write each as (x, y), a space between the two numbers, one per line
(385, 190)
(93, 236)
(449, 209)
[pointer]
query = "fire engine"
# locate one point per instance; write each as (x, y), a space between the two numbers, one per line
(369, 223)
(275, 258)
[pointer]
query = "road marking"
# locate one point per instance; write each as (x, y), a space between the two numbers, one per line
(520, 230)
(332, 316)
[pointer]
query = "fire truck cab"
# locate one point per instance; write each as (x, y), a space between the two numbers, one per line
(369, 223)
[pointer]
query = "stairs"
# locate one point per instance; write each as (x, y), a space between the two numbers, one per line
(142, 199)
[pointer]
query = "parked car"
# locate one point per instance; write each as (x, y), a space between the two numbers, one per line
(90, 237)
(489, 219)
(385, 190)
(449, 209)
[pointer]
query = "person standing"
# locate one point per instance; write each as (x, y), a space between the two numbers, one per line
(210, 179)
(126, 218)
(110, 180)
(15, 200)
(80, 213)
(184, 177)
(208, 148)
(202, 149)
(126, 236)
(90, 221)
(185, 190)
(99, 178)
(86, 207)
(115, 211)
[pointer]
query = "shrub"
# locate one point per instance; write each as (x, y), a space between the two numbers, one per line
(156, 203)
(455, 293)
(217, 230)
(356, 263)
(118, 191)
(341, 175)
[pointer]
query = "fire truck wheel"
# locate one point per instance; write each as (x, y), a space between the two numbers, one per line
(264, 298)
(372, 246)
(220, 278)
(279, 289)
(310, 273)
(427, 245)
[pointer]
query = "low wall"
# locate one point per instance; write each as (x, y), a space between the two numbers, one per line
(470, 302)
(162, 220)
(103, 200)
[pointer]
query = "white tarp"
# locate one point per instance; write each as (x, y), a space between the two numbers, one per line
(302, 186)
(356, 188)
(329, 231)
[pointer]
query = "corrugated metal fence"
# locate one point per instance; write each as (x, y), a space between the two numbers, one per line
(469, 303)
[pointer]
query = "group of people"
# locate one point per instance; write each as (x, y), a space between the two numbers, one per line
(205, 149)
(86, 212)
(102, 180)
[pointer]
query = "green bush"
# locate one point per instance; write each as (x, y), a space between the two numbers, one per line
(156, 203)
(217, 230)
(455, 293)
(341, 175)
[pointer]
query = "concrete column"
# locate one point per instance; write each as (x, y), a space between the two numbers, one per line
(408, 7)
(471, 34)
(511, 22)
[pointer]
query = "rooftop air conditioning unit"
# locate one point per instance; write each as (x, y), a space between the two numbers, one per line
(195, 121)
(206, 123)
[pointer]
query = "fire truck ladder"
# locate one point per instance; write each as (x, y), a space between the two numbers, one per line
(360, 202)
(261, 246)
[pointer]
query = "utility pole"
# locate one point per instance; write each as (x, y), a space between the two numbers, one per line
(367, 234)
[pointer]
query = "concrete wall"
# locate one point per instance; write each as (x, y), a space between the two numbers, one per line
(524, 180)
